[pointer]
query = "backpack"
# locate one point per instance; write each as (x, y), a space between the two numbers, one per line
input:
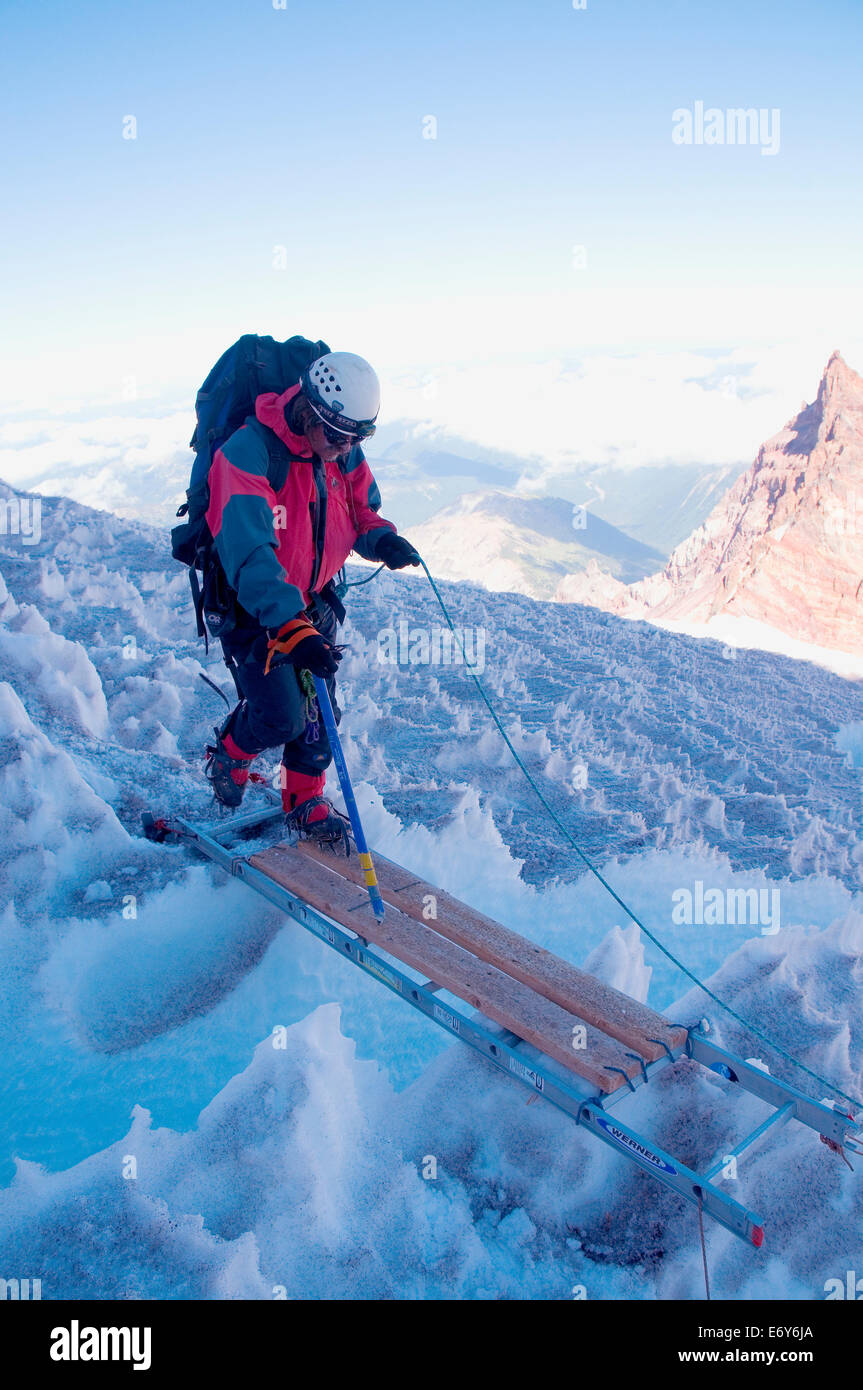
(253, 365)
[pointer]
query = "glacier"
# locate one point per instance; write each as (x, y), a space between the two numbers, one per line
(197, 1100)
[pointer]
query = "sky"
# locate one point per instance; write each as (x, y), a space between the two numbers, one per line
(281, 180)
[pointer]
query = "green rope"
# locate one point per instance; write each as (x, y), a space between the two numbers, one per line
(637, 920)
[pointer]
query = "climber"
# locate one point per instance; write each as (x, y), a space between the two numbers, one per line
(290, 495)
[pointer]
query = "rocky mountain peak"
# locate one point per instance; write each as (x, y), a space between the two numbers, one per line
(784, 546)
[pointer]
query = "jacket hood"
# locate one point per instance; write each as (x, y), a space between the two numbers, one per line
(270, 410)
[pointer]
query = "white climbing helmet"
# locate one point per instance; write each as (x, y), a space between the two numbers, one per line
(344, 392)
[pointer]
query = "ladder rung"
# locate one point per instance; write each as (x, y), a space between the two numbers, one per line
(779, 1117)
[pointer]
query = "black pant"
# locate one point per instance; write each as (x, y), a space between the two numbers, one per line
(272, 708)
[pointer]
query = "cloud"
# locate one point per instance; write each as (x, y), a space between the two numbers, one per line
(607, 408)
(133, 464)
(623, 410)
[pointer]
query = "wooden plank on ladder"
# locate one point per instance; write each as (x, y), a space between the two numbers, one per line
(603, 1006)
(602, 1061)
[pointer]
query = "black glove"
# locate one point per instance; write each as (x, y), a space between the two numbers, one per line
(396, 552)
(300, 643)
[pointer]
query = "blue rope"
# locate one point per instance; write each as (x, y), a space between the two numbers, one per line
(762, 1037)
(346, 583)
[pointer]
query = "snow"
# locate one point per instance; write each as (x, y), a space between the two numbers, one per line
(55, 830)
(281, 1112)
(748, 634)
(850, 740)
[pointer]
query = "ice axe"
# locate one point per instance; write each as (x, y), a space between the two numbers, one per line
(365, 858)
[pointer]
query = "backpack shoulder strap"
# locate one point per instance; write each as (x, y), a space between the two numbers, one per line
(280, 456)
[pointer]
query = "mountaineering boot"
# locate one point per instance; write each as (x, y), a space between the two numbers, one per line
(310, 814)
(227, 767)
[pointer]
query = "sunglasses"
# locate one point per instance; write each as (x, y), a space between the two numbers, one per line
(332, 436)
(337, 436)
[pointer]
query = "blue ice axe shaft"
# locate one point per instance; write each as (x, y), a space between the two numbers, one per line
(326, 709)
